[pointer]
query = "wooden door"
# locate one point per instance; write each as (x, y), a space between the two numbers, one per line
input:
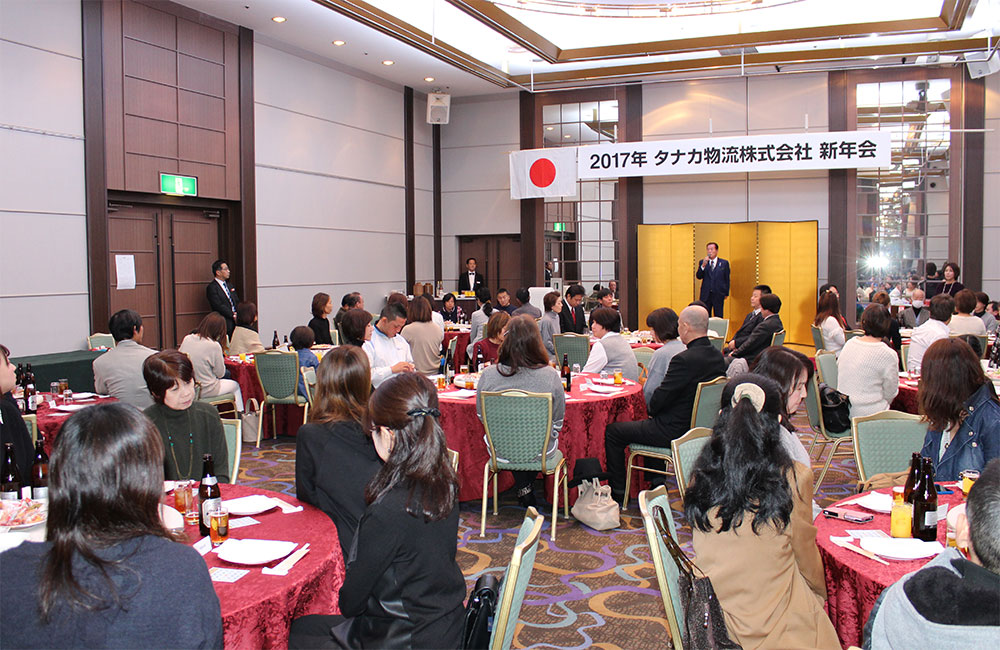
(134, 231)
(498, 257)
(194, 246)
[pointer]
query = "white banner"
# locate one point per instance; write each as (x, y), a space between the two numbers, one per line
(536, 173)
(755, 153)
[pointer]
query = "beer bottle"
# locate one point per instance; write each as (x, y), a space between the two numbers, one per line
(567, 374)
(449, 363)
(10, 476)
(30, 394)
(209, 495)
(286, 341)
(924, 523)
(911, 479)
(275, 342)
(479, 360)
(40, 473)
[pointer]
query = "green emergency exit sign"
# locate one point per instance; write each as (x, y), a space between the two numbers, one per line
(178, 185)
(559, 226)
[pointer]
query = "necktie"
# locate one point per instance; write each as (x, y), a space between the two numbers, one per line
(229, 295)
(572, 312)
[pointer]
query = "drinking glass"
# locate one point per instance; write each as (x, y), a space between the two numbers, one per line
(576, 368)
(54, 389)
(243, 357)
(618, 378)
(63, 386)
(219, 526)
(969, 478)
(185, 502)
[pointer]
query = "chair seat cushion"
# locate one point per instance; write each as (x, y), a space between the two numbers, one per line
(649, 449)
(271, 399)
(224, 397)
(550, 464)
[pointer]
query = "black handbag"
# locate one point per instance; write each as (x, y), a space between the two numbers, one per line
(704, 625)
(479, 613)
(836, 409)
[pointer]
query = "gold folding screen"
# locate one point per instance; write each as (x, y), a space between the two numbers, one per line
(781, 254)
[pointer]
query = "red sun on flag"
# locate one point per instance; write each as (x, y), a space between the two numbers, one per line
(542, 172)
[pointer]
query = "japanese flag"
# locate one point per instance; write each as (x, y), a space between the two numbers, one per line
(536, 173)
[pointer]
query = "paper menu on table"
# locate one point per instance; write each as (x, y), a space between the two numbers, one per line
(222, 574)
(858, 534)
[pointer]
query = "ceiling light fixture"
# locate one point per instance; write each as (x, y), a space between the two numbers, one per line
(338, 43)
(428, 79)
(279, 19)
(387, 62)
(550, 128)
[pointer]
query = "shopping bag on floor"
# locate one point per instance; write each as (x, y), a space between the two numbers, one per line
(595, 507)
(251, 420)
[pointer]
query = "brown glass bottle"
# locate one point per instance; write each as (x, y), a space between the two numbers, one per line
(40, 473)
(924, 523)
(911, 479)
(10, 476)
(567, 374)
(209, 495)
(275, 342)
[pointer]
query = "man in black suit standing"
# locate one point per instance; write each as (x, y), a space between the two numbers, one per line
(470, 280)
(752, 319)
(713, 271)
(671, 403)
(572, 320)
(221, 295)
(760, 338)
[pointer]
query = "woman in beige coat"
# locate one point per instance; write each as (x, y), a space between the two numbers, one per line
(750, 507)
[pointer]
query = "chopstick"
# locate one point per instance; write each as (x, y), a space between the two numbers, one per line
(861, 551)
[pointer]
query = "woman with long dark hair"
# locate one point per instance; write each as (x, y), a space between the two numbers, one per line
(334, 457)
(959, 402)
(204, 347)
(322, 307)
(831, 321)
(749, 504)
(403, 587)
(357, 327)
(791, 371)
(109, 573)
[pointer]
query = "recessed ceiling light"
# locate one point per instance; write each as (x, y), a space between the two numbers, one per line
(428, 79)
(338, 43)
(387, 62)
(550, 128)
(279, 19)
(567, 136)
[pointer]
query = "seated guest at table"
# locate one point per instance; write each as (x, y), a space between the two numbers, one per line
(450, 310)
(932, 281)
(523, 364)
(610, 352)
(12, 426)
(989, 320)
(549, 325)
(302, 340)
(917, 313)
(118, 372)
(960, 405)
(245, 339)
(936, 328)
(605, 299)
(189, 428)
(974, 343)
(436, 317)
(762, 335)
(572, 320)
(830, 321)
(867, 368)
(423, 337)
(398, 299)
(592, 298)
(791, 371)
(334, 457)
(964, 322)
(752, 319)
(663, 323)
(503, 301)
(204, 346)
(613, 288)
(403, 587)
(750, 507)
(353, 300)
(109, 574)
(952, 602)
(911, 286)
(524, 298)
(670, 406)
(496, 329)
(388, 353)
(322, 306)
(893, 337)
(951, 286)
(221, 295)
(357, 327)
(479, 317)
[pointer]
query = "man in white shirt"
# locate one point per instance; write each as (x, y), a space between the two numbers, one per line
(118, 372)
(935, 329)
(388, 353)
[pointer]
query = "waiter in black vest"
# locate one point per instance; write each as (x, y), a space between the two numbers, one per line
(713, 271)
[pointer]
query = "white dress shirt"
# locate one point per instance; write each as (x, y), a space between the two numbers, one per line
(598, 357)
(437, 319)
(383, 353)
(922, 338)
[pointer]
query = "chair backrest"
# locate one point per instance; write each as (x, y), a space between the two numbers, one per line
(515, 581)
(716, 341)
(719, 325)
(309, 378)
(685, 451)
(278, 372)
(453, 457)
(850, 334)
(518, 427)
(778, 338)
(817, 338)
(234, 443)
(666, 569)
(452, 346)
(99, 340)
(885, 442)
(643, 355)
(32, 423)
(574, 346)
(826, 363)
(813, 409)
(904, 354)
(707, 402)
(335, 336)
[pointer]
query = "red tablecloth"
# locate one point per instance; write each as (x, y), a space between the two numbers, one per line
(463, 342)
(258, 609)
(288, 418)
(854, 582)
(50, 420)
(582, 435)
(906, 399)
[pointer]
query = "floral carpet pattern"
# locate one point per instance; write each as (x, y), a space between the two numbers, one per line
(589, 588)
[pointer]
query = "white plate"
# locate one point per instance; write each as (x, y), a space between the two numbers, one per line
(71, 408)
(171, 518)
(84, 395)
(901, 548)
(249, 505)
(168, 486)
(876, 502)
(254, 551)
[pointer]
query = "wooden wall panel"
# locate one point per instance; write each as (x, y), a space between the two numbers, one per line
(145, 23)
(200, 41)
(144, 61)
(114, 110)
(152, 100)
(194, 109)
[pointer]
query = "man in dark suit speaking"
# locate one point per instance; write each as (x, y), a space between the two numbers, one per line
(713, 271)
(470, 280)
(221, 295)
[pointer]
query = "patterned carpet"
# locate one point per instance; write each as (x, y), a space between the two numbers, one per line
(589, 588)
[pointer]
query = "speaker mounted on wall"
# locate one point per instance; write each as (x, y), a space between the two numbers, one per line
(981, 67)
(438, 108)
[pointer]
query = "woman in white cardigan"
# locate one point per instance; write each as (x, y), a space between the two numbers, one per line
(830, 320)
(204, 348)
(867, 366)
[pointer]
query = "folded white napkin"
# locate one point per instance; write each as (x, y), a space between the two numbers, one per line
(286, 507)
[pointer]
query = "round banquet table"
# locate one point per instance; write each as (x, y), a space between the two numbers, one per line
(854, 582)
(50, 420)
(287, 416)
(582, 436)
(463, 342)
(906, 399)
(258, 609)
